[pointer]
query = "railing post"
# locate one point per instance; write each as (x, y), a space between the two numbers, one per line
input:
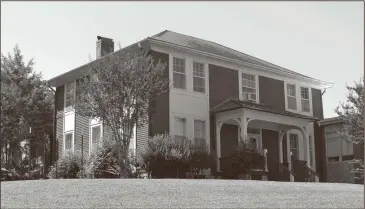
(265, 157)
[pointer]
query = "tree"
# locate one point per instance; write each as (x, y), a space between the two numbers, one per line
(118, 92)
(351, 113)
(25, 102)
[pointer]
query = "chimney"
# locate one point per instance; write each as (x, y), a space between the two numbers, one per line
(104, 46)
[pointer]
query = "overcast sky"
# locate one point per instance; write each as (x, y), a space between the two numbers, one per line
(324, 40)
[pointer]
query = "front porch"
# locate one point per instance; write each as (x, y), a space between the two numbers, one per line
(275, 135)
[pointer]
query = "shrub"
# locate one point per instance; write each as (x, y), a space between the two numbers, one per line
(165, 157)
(67, 167)
(103, 163)
(200, 158)
(244, 159)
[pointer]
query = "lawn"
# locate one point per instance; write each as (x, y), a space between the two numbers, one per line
(175, 193)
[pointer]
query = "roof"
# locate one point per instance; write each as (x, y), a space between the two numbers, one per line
(231, 104)
(329, 121)
(217, 49)
(201, 45)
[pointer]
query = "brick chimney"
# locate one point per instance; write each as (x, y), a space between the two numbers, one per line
(104, 46)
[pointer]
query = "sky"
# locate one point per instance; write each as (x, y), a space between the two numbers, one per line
(323, 40)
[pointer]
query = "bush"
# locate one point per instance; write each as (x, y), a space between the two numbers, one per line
(103, 163)
(165, 157)
(68, 167)
(243, 160)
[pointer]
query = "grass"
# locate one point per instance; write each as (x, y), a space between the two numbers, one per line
(175, 193)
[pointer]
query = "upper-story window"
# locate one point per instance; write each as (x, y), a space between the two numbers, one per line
(291, 96)
(198, 77)
(70, 95)
(249, 91)
(179, 75)
(304, 95)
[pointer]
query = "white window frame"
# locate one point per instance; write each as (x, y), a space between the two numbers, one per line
(298, 146)
(91, 132)
(73, 141)
(185, 73)
(205, 129)
(298, 98)
(65, 97)
(204, 77)
(186, 125)
(309, 98)
(256, 82)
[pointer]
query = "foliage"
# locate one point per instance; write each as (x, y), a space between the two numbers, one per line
(25, 102)
(118, 92)
(351, 112)
(243, 160)
(103, 163)
(68, 166)
(166, 157)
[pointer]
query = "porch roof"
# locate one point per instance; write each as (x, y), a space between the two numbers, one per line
(232, 104)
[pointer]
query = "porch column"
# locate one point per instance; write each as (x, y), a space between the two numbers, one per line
(243, 124)
(218, 143)
(281, 135)
(289, 157)
(306, 141)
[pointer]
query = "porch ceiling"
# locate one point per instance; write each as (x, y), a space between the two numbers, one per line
(232, 104)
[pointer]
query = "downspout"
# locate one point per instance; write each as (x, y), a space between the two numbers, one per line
(54, 130)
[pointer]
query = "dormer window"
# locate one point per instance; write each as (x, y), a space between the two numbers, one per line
(249, 88)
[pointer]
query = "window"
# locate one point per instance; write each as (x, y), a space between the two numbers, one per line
(198, 77)
(293, 138)
(333, 159)
(68, 141)
(248, 87)
(310, 150)
(95, 137)
(199, 133)
(291, 96)
(179, 73)
(180, 129)
(304, 95)
(70, 94)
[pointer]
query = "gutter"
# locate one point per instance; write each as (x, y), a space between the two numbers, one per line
(156, 41)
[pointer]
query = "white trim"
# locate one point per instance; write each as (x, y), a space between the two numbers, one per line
(185, 73)
(298, 98)
(256, 76)
(235, 64)
(91, 132)
(73, 141)
(205, 128)
(173, 124)
(205, 76)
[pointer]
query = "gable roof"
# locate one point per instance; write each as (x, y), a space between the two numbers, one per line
(232, 103)
(197, 44)
(217, 49)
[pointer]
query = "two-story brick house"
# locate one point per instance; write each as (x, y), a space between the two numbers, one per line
(219, 95)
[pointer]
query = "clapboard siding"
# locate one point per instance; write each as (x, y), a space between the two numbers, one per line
(82, 134)
(142, 138)
(59, 134)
